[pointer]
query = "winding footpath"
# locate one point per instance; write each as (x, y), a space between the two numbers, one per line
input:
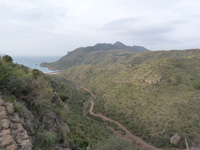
(128, 133)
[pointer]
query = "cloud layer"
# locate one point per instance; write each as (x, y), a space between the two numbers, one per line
(49, 27)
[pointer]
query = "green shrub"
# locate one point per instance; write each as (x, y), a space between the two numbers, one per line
(46, 138)
(36, 73)
(16, 86)
(62, 113)
(20, 108)
(191, 79)
(5, 72)
(196, 85)
(7, 58)
(63, 97)
(10, 99)
(178, 65)
(178, 79)
(169, 80)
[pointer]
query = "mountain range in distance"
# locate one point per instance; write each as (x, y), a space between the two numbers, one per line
(91, 55)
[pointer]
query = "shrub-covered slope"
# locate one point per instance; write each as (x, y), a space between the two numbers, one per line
(50, 110)
(39, 108)
(154, 94)
(86, 131)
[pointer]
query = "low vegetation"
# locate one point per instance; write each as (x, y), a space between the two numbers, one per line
(35, 102)
(84, 131)
(46, 139)
(113, 143)
(154, 94)
(51, 108)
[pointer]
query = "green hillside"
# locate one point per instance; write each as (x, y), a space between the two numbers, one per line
(154, 94)
(49, 109)
(100, 54)
(36, 104)
(85, 130)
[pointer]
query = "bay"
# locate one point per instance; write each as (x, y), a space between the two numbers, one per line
(35, 61)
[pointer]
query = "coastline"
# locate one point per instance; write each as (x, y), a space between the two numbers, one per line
(34, 62)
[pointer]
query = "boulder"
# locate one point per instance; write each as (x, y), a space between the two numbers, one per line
(17, 126)
(10, 108)
(11, 147)
(2, 108)
(4, 132)
(15, 118)
(3, 115)
(6, 140)
(4, 123)
(1, 102)
(13, 136)
(26, 144)
(175, 139)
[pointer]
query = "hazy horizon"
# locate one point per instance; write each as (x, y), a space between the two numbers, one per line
(59, 56)
(49, 28)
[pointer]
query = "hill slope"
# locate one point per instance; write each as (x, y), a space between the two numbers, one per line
(38, 107)
(154, 94)
(107, 53)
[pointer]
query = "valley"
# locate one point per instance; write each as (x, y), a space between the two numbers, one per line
(154, 94)
(107, 98)
(132, 138)
(99, 75)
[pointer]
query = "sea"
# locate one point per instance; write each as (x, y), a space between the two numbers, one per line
(35, 61)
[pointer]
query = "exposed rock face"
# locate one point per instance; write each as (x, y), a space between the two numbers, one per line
(18, 131)
(4, 124)
(175, 139)
(9, 108)
(13, 136)
(195, 146)
(154, 81)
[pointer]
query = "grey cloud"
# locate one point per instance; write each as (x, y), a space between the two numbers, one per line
(138, 28)
(120, 23)
(41, 26)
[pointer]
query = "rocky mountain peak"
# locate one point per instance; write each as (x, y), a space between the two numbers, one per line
(119, 44)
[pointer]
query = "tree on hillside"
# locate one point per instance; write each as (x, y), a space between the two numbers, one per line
(36, 73)
(7, 58)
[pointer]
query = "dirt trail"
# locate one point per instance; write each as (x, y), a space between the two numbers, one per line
(128, 133)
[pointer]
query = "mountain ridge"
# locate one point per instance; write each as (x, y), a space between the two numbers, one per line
(83, 54)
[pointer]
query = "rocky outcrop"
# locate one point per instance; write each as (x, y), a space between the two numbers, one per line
(154, 81)
(19, 129)
(175, 139)
(13, 136)
(195, 146)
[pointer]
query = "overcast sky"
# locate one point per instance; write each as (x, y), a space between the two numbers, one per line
(54, 27)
